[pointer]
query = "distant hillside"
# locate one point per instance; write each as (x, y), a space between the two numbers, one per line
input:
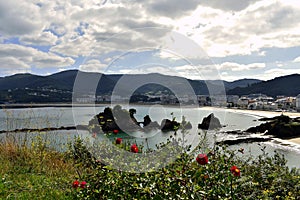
(58, 87)
(240, 83)
(285, 85)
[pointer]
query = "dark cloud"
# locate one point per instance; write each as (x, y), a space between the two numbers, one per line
(172, 9)
(228, 5)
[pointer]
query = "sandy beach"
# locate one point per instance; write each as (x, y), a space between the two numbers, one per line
(295, 140)
(261, 113)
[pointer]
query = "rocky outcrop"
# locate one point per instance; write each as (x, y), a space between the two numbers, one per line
(281, 127)
(149, 125)
(78, 127)
(121, 120)
(243, 140)
(210, 122)
(168, 125)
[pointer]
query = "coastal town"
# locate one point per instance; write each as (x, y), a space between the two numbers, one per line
(251, 102)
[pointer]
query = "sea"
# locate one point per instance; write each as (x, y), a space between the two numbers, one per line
(43, 117)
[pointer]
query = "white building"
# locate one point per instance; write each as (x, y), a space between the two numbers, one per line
(243, 102)
(298, 102)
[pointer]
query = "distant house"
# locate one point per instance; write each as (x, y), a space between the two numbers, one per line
(298, 103)
(233, 99)
(168, 99)
(286, 102)
(243, 102)
(253, 104)
(203, 100)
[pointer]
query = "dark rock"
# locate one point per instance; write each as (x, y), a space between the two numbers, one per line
(80, 127)
(281, 127)
(147, 120)
(236, 132)
(210, 122)
(168, 125)
(243, 140)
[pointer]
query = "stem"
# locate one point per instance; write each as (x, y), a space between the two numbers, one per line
(231, 188)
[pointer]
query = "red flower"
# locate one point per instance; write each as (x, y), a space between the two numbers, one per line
(235, 171)
(115, 131)
(202, 159)
(134, 148)
(83, 184)
(205, 176)
(75, 184)
(118, 140)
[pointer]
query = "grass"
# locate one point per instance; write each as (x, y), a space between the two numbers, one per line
(34, 173)
(37, 172)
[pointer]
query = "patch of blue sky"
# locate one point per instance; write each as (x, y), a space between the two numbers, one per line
(79, 61)
(40, 48)
(12, 40)
(39, 4)
(81, 28)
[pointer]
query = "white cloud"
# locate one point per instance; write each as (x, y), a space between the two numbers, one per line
(262, 24)
(240, 67)
(19, 18)
(74, 28)
(93, 66)
(276, 72)
(297, 60)
(41, 39)
(11, 65)
(33, 57)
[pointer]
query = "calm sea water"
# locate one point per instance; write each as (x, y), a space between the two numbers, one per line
(11, 119)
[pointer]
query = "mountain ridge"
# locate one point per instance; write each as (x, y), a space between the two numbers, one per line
(60, 86)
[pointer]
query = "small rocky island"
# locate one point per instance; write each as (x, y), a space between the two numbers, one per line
(210, 122)
(112, 119)
(281, 126)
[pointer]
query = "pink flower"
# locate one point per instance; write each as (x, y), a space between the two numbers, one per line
(202, 159)
(83, 184)
(115, 131)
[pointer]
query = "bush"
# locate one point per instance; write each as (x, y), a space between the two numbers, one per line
(225, 176)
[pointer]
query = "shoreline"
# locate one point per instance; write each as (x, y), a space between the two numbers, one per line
(295, 140)
(257, 113)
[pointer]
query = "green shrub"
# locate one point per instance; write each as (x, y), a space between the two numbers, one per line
(264, 177)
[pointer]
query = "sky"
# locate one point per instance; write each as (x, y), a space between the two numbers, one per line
(207, 39)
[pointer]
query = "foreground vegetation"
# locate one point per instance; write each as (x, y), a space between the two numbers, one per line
(36, 172)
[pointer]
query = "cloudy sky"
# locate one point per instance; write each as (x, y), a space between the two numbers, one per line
(230, 39)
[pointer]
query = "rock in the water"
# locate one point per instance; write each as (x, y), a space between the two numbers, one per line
(147, 120)
(168, 125)
(210, 122)
(243, 140)
(281, 126)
